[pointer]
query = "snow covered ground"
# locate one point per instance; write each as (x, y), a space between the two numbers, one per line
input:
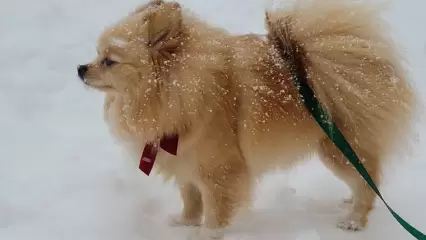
(62, 176)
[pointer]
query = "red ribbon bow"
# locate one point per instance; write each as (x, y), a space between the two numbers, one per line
(167, 143)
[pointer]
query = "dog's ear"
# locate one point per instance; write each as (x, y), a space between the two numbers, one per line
(152, 3)
(164, 30)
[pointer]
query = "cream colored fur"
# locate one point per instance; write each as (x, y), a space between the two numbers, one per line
(233, 103)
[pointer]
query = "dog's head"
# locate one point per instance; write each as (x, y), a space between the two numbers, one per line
(133, 53)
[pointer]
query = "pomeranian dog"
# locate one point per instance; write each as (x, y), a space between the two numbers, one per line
(233, 102)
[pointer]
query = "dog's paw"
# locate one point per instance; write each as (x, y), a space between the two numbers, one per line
(352, 222)
(178, 220)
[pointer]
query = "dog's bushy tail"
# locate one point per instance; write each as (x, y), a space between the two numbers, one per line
(352, 65)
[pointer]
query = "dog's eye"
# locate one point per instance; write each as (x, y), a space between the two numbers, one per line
(108, 62)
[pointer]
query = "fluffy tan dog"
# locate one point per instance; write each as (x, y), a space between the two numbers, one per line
(232, 101)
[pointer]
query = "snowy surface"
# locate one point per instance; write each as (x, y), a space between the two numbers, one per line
(63, 177)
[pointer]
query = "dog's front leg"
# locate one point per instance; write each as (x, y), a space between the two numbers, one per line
(192, 207)
(224, 191)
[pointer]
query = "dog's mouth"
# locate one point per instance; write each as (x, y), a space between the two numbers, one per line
(97, 84)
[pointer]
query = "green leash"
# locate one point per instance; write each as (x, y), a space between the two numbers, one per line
(322, 117)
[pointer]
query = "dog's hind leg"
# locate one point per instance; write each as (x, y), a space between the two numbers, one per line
(362, 195)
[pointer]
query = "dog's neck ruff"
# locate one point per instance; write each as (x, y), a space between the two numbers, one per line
(149, 154)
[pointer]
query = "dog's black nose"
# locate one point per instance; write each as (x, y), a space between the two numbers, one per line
(82, 69)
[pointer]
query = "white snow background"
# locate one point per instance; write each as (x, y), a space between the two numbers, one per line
(63, 177)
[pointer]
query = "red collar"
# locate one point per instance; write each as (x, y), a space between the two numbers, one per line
(167, 143)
